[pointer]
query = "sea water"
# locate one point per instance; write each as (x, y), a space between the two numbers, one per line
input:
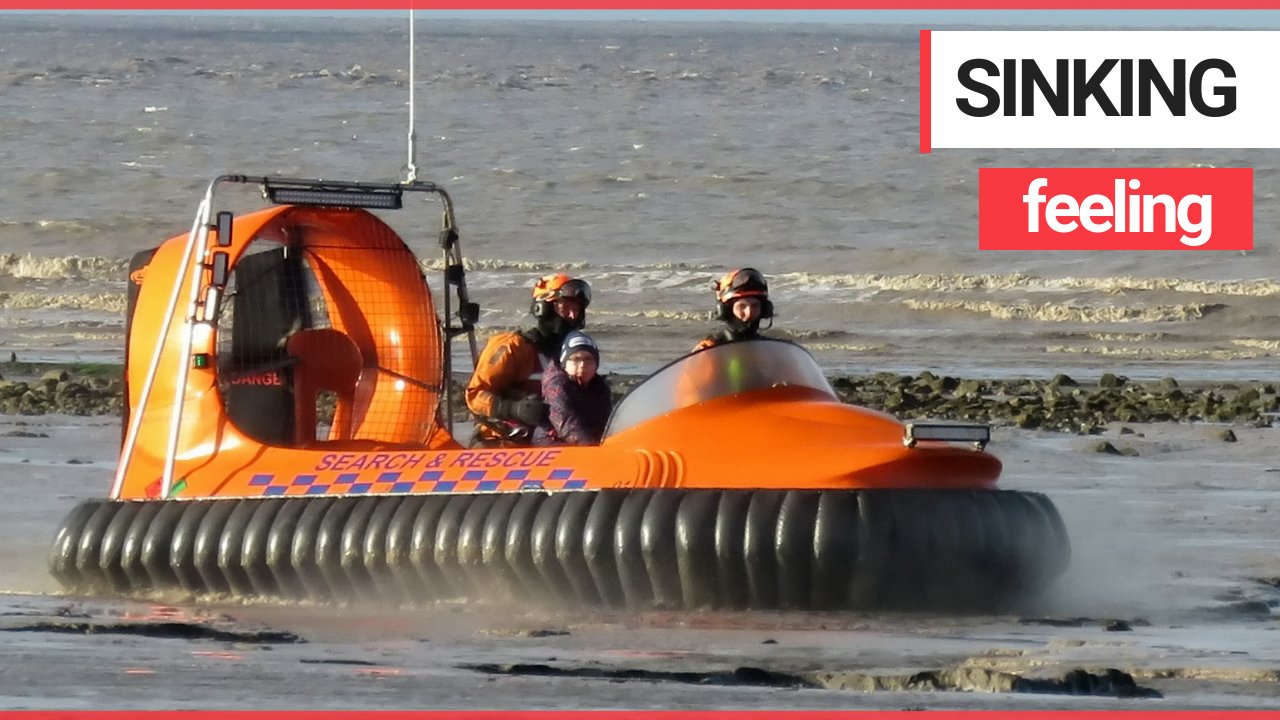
(646, 157)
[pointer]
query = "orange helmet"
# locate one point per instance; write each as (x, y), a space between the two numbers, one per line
(745, 282)
(550, 288)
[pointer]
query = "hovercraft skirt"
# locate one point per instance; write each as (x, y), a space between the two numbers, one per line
(640, 549)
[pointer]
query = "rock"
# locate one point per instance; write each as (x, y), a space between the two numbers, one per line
(1063, 380)
(1110, 682)
(56, 376)
(1109, 380)
(1117, 626)
(1227, 435)
(546, 632)
(1106, 447)
(1254, 608)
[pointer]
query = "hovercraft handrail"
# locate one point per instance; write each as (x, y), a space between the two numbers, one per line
(198, 235)
(284, 191)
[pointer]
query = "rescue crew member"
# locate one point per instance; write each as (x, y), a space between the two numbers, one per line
(505, 391)
(578, 397)
(742, 302)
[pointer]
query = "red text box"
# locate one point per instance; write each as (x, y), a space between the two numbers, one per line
(1115, 208)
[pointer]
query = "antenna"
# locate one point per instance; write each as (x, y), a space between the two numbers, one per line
(412, 175)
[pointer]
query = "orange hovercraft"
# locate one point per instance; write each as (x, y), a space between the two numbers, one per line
(235, 481)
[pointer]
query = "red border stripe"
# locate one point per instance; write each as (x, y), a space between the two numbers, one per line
(636, 715)
(640, 5)
(926, 107)
(639, 715)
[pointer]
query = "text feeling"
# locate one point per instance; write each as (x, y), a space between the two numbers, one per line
(1115, 209)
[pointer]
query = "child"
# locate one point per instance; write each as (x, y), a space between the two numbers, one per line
(578, 399)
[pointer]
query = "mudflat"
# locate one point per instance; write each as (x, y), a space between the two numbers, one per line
(1170, 602)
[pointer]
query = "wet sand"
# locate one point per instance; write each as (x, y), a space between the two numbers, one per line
(1173, 584)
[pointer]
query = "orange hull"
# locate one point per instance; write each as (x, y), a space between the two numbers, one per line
(285, 378)
(801, 442)
(368, 280)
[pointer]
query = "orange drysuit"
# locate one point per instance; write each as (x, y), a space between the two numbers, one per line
(510, 368)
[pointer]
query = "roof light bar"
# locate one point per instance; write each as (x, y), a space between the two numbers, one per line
(979, 435)
(375, 198)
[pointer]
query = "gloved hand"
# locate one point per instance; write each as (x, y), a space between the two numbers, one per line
(530, 410)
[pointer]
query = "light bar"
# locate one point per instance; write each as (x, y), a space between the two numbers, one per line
(979, 435)
(377, 199)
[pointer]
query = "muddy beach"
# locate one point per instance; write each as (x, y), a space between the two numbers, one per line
(1170, 603)
(599, 134)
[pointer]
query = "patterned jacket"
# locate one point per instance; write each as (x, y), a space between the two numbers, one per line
(578, 413)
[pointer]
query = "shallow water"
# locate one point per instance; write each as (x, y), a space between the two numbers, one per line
(645, 156)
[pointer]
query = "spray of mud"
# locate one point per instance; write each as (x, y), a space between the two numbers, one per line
(1173, 529)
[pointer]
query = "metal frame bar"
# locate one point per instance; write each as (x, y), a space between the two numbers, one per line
(135, 423)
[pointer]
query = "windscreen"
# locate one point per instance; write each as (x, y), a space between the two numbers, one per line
(719, 371)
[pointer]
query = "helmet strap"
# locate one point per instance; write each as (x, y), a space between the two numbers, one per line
(554, 328)
(739, 328)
